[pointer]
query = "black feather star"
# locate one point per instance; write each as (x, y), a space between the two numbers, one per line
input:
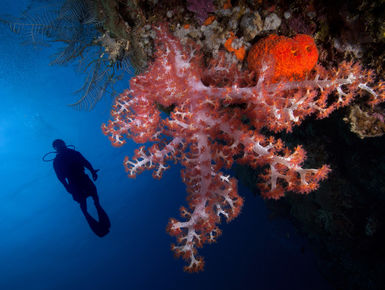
(76, 26)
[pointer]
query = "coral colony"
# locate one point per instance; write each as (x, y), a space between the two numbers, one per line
(218, 113)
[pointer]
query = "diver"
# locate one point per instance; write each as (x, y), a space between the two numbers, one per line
(69, 167)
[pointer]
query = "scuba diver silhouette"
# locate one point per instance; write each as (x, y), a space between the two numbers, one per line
(69, 167)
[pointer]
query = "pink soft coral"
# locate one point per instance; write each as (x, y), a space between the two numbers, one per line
(205, 131)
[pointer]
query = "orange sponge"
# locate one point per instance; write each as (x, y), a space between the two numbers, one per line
(291, 57)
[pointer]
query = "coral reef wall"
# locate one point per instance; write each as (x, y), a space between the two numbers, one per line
(234, 78)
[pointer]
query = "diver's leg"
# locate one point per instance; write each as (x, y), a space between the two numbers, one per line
(96, 199)
(104, 221)
(94, 225)
(83, 206)
(94, 194)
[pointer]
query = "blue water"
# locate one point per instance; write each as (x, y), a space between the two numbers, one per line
(46, 242)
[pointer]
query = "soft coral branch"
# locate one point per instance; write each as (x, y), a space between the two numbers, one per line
(205, 132)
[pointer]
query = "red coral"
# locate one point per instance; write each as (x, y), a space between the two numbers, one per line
(290, 57)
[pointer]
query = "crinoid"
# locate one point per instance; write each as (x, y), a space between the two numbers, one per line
(76, 27)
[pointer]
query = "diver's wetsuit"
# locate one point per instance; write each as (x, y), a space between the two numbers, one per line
(69, 165)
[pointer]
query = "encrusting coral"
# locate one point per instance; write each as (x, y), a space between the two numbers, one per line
(290, 57)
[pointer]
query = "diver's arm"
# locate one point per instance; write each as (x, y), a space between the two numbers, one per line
(88, 165)
(64, 182)
(61, 177)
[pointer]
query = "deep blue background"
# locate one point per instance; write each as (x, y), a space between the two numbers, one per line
(45, 241)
